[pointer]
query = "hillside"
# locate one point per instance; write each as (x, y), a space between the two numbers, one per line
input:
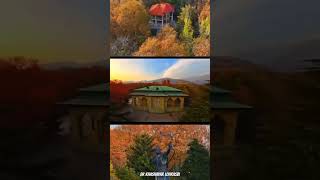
(278, 98)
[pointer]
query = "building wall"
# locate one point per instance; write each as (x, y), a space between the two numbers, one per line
(87, 127)
(157, 104)
(230, 119)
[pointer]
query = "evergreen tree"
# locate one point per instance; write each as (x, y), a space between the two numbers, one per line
(126, 173)
(196, 166)
(185, 20)
(140, 154)
(187, 32)
(112, 173)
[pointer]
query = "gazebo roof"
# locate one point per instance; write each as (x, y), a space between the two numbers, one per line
(161, 9)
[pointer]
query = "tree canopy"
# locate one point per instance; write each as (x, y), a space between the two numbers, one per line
(197, 164)
(164, 44)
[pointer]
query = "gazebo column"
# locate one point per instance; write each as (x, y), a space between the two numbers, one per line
(156, 21)
(162, 22)
(172, 16)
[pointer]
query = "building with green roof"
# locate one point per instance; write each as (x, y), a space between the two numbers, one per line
(87, 116)
(224, 114)
(158, 99)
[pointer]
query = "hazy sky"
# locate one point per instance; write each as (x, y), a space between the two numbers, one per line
(150, 69)
(243, 26)
(53, 30)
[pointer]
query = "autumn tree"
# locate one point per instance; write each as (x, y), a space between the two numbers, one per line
(126, 173)
(185, 20)
(121, 140)
(140, 154)
(197, 164)
(123, 46)
(204, 20)
(201, 46)
(129, 26)
(112, 173)
(164, 44)
(130, 19)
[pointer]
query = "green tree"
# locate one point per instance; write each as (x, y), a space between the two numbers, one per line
(126, 173)
(140, 154)
(187, 32)
(199, 111)
(185, 20)
(197, 164)
(204, 20)
(112, 173)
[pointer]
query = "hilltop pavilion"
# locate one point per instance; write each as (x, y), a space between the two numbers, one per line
(158, 99)
(161, 14)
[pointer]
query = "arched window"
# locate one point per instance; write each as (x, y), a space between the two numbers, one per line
(218, 129)
(86, 125)
(177, 102)
(170, 103)
(144, 102)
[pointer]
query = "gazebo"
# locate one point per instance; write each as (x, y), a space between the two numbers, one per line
(161, 14)
(158, 99)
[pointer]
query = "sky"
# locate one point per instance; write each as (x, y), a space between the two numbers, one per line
(151, 69)
(244, 27)
(53, 30)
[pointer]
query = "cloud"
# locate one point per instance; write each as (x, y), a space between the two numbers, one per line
(185, 68)
(130, 70)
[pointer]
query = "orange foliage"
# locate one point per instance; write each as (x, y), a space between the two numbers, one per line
(129, 18)
(122, 137)
(164, 44)
(201, 47)
(29, 93)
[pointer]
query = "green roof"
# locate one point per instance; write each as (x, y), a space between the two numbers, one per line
(157, 94)
(96, 95)
(222, 99)
(158, 89)
(96, 88)
(229, 105)
(220, 90)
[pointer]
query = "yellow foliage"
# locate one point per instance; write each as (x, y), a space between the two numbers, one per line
(201, 47)
(129, 18)
(164, 44)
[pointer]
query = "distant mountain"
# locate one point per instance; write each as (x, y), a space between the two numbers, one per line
(60, 65)
(174, 81)
(204, 79)
(287, 56)
(229, 63)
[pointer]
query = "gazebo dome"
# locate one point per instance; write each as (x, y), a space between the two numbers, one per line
(161, 9)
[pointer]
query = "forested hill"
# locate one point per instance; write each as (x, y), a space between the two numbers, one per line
(280, 99)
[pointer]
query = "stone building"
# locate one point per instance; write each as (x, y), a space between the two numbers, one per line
(225, 112)
(86, 117)
(158, 99)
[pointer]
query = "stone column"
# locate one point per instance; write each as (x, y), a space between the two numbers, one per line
(230, 128)
(181, 103)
